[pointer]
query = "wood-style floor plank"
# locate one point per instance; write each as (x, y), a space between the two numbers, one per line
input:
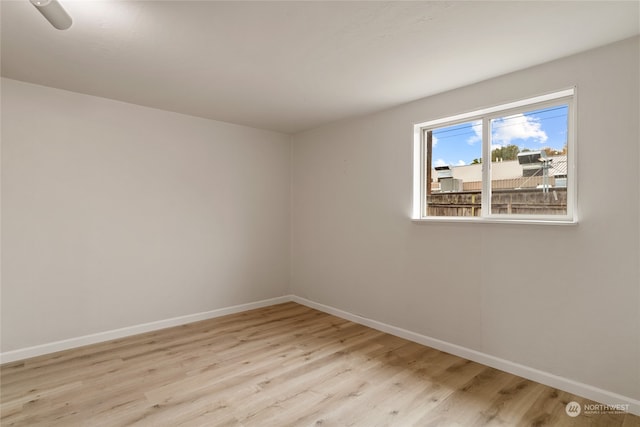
(284, 365)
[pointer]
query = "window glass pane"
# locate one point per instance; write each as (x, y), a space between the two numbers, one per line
(454, 170)
(529, 162)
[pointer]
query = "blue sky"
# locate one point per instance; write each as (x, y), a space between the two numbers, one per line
(460, 144)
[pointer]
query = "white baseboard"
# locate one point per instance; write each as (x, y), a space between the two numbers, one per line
(551, 380)
(561, 383)
(39, 350)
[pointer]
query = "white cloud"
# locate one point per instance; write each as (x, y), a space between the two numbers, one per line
(477, 130)
(434, 140)
(517, 126)
(461, 163)
(440, 162)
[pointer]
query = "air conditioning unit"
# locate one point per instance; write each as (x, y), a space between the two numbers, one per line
(529, 157)
(450, 185)
(444, 172)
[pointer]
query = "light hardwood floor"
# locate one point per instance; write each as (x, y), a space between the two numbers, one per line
(285, 365)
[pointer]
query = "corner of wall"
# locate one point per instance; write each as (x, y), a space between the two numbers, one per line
(288, 287)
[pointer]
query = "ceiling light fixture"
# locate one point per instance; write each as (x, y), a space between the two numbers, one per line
(54, 12)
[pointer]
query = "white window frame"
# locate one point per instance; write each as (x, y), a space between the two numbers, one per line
(563, 97)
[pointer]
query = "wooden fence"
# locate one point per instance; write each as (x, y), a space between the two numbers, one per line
(529, 201)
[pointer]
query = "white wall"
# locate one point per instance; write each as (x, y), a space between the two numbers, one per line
(115, 215)
(561, 299)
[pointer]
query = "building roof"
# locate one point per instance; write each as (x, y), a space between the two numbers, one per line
(510, 169)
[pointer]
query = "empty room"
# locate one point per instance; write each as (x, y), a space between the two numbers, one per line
(336, 213)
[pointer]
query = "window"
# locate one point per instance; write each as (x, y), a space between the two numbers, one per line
(513, 162)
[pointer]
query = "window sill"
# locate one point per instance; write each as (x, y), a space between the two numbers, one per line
(478, 220)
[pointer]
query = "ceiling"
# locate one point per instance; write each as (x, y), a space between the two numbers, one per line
(293, 66)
